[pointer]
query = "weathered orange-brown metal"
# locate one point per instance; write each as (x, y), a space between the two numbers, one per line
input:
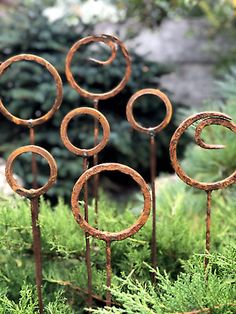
(104, 235)
(135, 124)
(32, 193)
(151, 131)
(85, 111)
(111, 41)
(205, 119)
(33, 122)
(208, 118)
(108, 237)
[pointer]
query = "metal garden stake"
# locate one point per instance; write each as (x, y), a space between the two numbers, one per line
(108, 237)
(206, 119)
(31, 124)
(85, 153)
(151, 131)
(113, 43)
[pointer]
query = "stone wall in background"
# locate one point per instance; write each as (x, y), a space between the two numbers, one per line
(188, 46)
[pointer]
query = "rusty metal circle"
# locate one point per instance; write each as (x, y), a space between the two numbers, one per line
(149, 91)
(110, 41)
(57, 79)
(32, 192)
(85, 111)
(207, 118)
(104, 235)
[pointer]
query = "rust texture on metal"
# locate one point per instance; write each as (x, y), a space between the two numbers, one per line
(111, 41)
(37, 250)
(85, 111)
(153, 187)
(95, 162)
(139, 127)
(33, 122)
(87, 240)
(31, 193)
(205, 119)
(151, 131)
(104, 235)
(208, 118)
(108, 237)
(108, 272)
(208, 227)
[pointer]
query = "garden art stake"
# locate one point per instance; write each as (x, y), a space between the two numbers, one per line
(113, 43)
(85, 153)
(33, 194)
(206, 119)
(151, 131)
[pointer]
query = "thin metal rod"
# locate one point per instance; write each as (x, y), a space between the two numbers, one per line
(34, 164)
(153, 176)
(37, 250)
(95, 162)
(108, 272)
(87, 240)
(208, 227)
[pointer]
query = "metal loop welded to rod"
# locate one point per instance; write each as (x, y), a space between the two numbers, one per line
(204, 119)
(151, 131)
(108, 237)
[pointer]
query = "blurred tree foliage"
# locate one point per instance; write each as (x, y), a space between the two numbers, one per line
(28, 91)
(220, 13)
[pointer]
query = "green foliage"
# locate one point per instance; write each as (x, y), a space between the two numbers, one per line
(180, 234)
(189, 292)
(220, 13)
(28, 91)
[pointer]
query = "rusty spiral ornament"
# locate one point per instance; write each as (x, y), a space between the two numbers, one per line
(206, 119)
(59, 94)
(112, 42)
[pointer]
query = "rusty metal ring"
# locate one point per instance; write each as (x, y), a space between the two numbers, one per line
(208, 118)
(57, 79)
(110, 41)
(149, 91)
(32, 192)
(85, 111)
(104, 235)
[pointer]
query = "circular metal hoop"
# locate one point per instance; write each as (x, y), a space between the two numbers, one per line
(209, 118)
(104, 235)
(149, 91)
(32, 192)
(110, 41)
(85, 111)
(57, 79)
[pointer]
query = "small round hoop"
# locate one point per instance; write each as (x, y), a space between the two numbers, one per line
(85, 111)
(32, 192)
(136, 125)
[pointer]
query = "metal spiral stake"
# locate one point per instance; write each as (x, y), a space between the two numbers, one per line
(85, 153)
(151, 131)
(206, 119)
(31, 124)
(108, 237)
(113, 43)
(33, 195)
